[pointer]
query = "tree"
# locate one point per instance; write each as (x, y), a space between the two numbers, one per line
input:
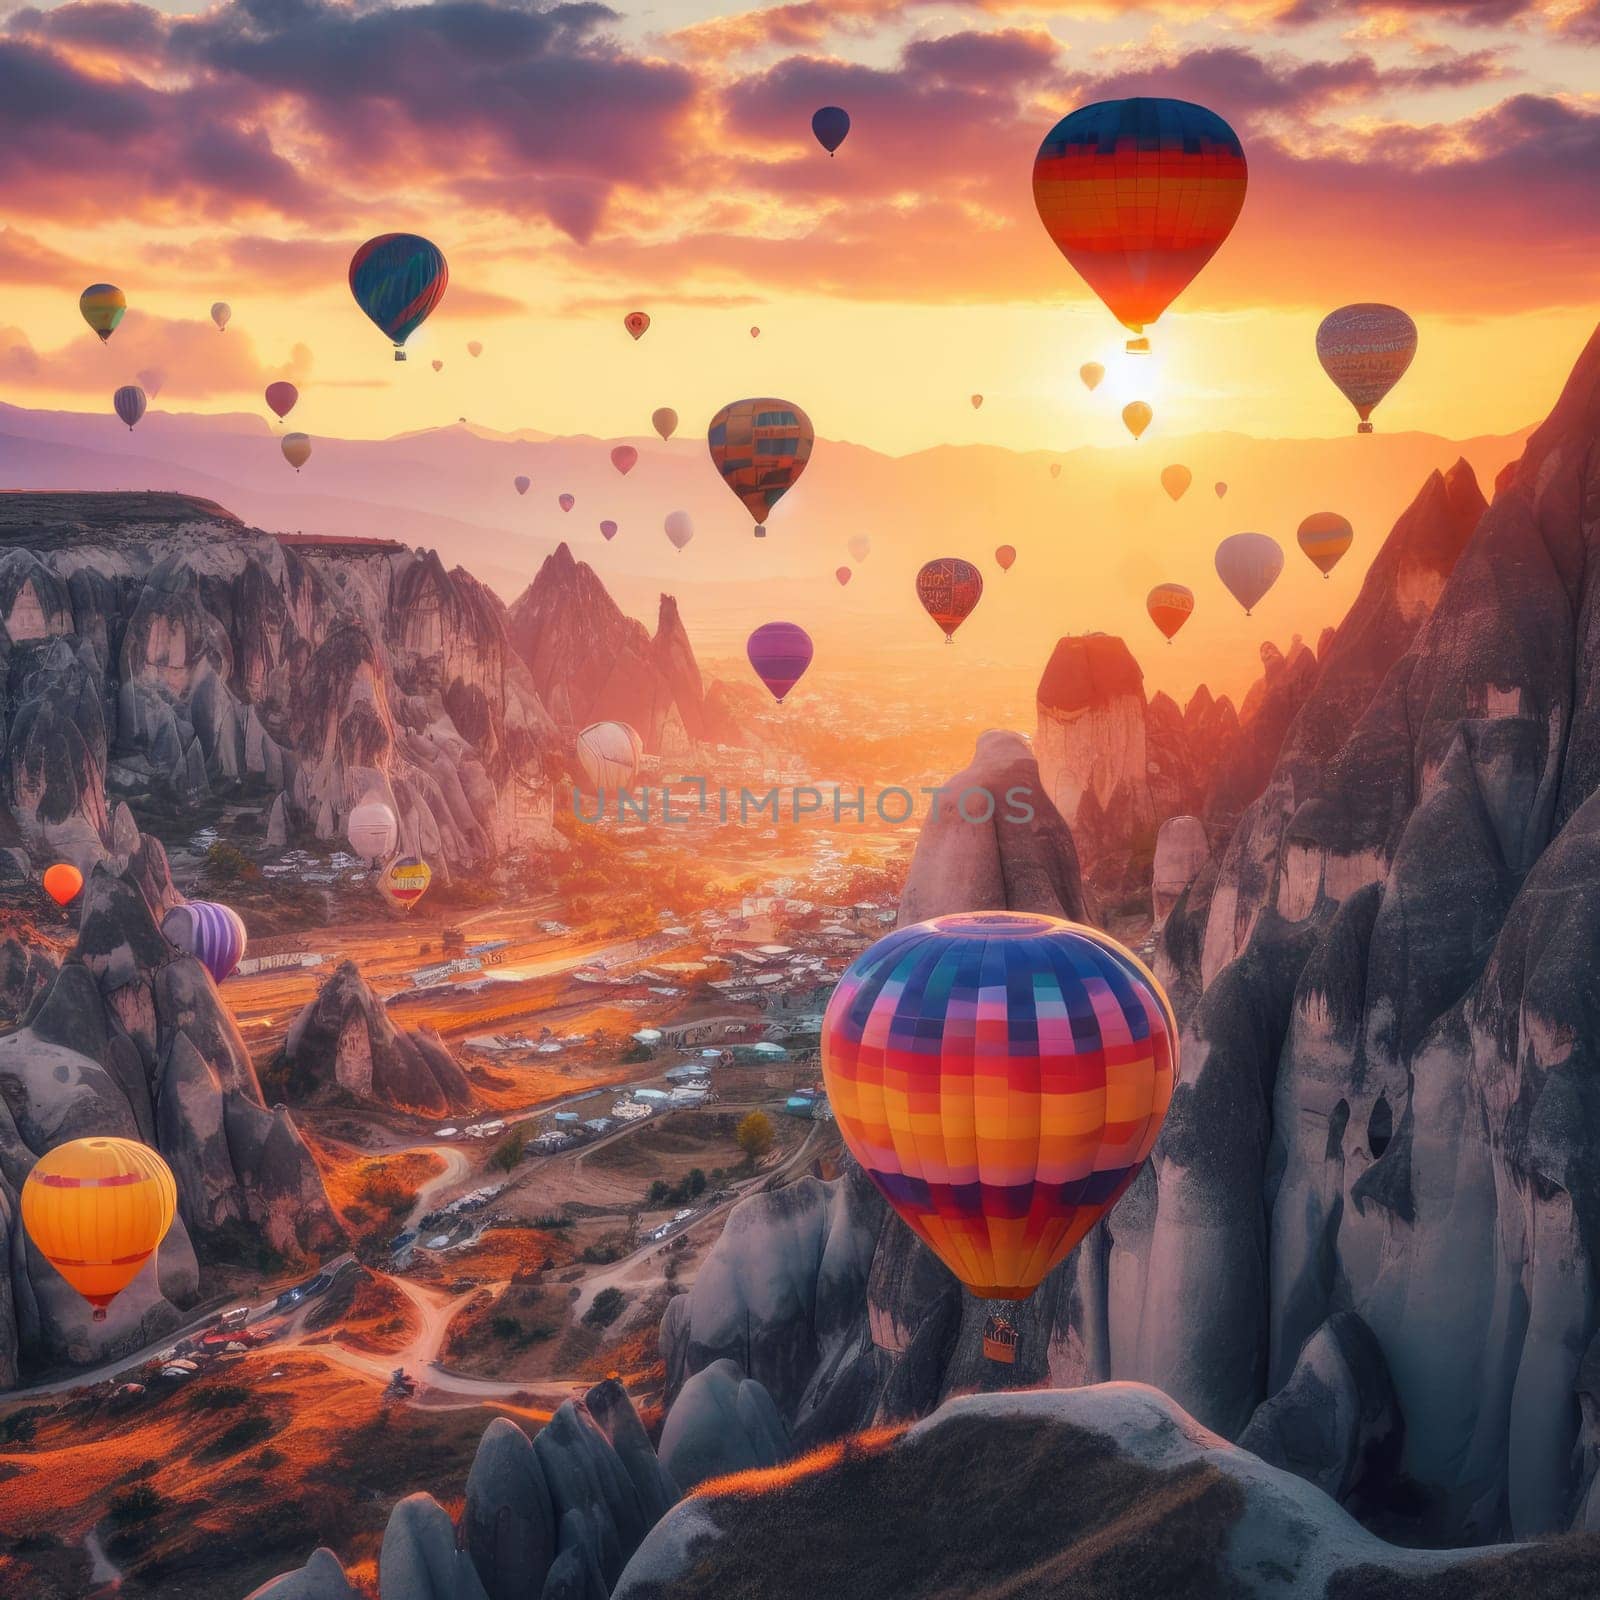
(755, 1136)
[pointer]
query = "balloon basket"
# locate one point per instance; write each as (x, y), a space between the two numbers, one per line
(1000, 1340)
(99, 1314)
(1139, 347)
(399, 355)
(1363, 427)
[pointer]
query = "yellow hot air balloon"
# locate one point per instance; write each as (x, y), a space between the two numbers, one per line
(296, 449)
(101, 306)
(96, 1209)
(1325, 536)
(1091, 372)
(1176, 480)
(1136, 417)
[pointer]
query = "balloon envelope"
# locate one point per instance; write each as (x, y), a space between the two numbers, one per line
(152, 380)
(398, 279)
(1136, 417)
(1366, 349)
(760, 447)
(1325, 536)
(780, 652)
(438, 365)
(566, 501)
(1249, 564)
(1176, 480)
(221, 314)
(521, 483)
(1091, 372)
(860, 547)
(405, 880)
(755, 333)
(373, 830)
(474, 348)
(679, 529)
(96, 1210)
(608, 529)
(102, 306)
(636, 322)
(1001, 1078)
(665, 421)
(62, 882)
(281, 398)
(977, 402)
(830, 124)
(129, 403)
(213, 934)
(1138, 195)
(842, 575)
(296, 449)
(949, 588)
(609, 753)
(623, 458)
(1170, 606)
(1220, 489)
(1005, 555)
(1055, 469)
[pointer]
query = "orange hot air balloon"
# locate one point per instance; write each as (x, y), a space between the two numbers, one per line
(1006, 554)
(949, 589)
(1170, 606)
(1136, 417)
(636, 322)
(665, 421)
(1138, 195)
(1176, 480)
(843, 575)
(760, 447)
(755, 333)
(1325, 536)
(1091, 372)
(96, 1210)
(1055, 469)
(1220, 489)
(1366, 349)
(977, 402)
(438, 365)
(62, 882)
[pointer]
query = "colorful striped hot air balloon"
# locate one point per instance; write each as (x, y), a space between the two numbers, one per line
(609, 753)
(213, 934)
(1325, 536)
(624, 458)
(665, 421)
(1170, 606)
(829, 125)
(97, 1209)
(949, 588)
(1138, 195)
(102, 306)
(780, 652)
(404, 881)
(760, 447)
(1001, 1077)
(1366, 349)
(398, 279)
(129, 403)
(1249, 564)
(637, 323)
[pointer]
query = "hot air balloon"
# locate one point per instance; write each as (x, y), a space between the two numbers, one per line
(623, 458)
(222, 315)
(608, 530)
(566, 501)
(129, 403)
(760, 447)
(373, 830)
(636, 322)
(297, 449)
(281, 398)
(860, 547)
(1138, 195)
(1136, 417)
(830, 124)
(1176, 480)
(679, 529)
(755, 333)
(1170, 606)
(780, 652)
(1325, 536)
(949, 588)
(1001, 1077)
(62, 882)
(97, 1209)
(398, 279)
(610, 754)
(1249, 564)
(1055, 469)
(842, 575)
(102, 306)
(213, 934)
(665, 421)
(438, 365)
(1366, 349)
(1220, 489)
(474, 348)
(977, 402)
(404, 881)
(1091, 372)
(1005, 556)
(521, 484)
(152, 380)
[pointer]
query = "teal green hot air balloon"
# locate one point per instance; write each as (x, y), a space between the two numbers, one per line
(398, 279)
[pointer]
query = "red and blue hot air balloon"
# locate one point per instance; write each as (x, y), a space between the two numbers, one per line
(780, 652)
(949, 588)
(830, 124)
(398, 279)
(213, 934)
(760, 447)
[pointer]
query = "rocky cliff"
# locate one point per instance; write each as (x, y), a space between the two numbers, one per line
(153, 647)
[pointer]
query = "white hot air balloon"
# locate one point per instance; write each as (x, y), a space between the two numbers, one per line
(679, 529)
(372, 830)
(1249, 564)
(610, 753)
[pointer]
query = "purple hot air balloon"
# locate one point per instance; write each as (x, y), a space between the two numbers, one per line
(608, 529)
(128, 402)
(566, 501)
(211, 933)
(780, 652)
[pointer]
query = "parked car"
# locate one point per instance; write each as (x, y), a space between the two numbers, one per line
(235, 1318)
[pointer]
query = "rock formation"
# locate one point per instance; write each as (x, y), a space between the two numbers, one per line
(1182, 849)
(345, 1039)
(721, 1422)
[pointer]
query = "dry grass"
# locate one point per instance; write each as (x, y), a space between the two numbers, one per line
(498, 1255)
(372, 1193)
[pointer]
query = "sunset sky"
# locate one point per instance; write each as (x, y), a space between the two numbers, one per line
(575, 162)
